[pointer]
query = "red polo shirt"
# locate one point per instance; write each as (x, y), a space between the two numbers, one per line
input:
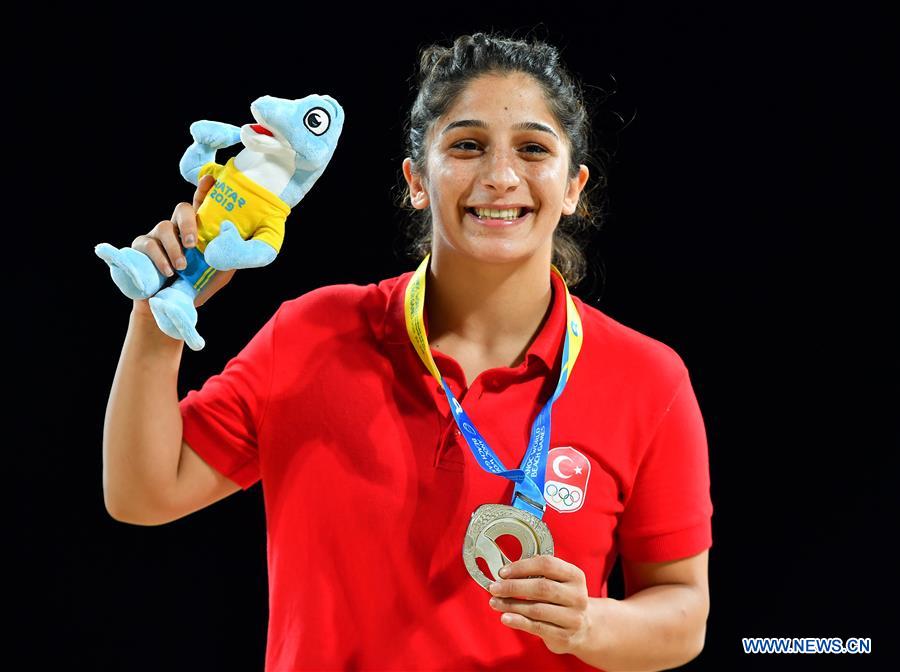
(369, 487)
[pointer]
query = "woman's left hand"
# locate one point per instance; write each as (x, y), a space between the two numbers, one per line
(554, 605)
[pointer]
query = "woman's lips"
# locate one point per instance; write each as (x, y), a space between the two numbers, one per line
(499, 223)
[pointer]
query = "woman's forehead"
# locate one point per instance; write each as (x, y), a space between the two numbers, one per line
(501, 91)
(499, 103)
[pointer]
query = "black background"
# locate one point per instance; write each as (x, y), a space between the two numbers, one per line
(748, 230)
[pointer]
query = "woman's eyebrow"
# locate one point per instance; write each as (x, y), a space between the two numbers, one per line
(521, 126)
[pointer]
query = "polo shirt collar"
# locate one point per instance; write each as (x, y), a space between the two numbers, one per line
(546, 348)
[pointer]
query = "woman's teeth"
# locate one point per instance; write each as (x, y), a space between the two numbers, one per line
(498, 214)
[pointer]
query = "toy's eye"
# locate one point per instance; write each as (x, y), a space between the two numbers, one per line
(317, 120)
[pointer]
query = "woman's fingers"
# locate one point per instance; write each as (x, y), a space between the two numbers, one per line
(167, 234)
(151, 246)
(203, 186)
(166, 242)
(185, 219)
(185, 216)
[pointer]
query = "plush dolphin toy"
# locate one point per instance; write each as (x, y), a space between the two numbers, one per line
(240, 223)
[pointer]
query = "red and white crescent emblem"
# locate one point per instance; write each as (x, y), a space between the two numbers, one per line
(565, 484)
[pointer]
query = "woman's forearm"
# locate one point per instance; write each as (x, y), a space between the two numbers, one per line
(658, 628)
(142, 430)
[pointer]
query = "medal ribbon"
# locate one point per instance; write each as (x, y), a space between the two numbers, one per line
(530, 476)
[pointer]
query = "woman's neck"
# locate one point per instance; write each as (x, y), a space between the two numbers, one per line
(489, 307)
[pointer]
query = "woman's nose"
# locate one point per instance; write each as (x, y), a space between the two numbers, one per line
(500, 171)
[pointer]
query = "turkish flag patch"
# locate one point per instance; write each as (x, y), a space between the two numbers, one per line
(566, 479)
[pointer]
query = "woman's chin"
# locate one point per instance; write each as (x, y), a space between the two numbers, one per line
(488, 248)
(497, 251)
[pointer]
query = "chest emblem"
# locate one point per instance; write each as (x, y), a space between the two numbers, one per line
(565, 484)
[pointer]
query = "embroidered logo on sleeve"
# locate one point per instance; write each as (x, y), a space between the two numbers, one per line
(565, 484)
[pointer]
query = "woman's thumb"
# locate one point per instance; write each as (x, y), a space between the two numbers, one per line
(203, 186)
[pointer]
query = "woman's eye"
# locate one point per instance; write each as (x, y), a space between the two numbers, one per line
(530, 148)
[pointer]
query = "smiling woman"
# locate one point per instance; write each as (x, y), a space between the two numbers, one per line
(405, 425)
(499, 177)
(565, 123)
(498, 138)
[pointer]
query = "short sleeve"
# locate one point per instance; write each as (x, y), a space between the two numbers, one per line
(210, 168)
(271, 231)
(221, 420)
(668, 515)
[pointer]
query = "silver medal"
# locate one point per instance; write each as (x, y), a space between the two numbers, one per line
(490, 521)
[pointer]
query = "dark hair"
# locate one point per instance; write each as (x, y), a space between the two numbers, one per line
(444, 72)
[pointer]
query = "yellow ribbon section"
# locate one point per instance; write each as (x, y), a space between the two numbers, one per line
(414, 306)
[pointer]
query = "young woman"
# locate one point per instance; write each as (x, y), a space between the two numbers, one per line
(380, 418)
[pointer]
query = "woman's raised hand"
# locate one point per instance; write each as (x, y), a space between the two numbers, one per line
(165, 244)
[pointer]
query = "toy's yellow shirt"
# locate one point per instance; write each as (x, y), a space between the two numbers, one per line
(256, 212)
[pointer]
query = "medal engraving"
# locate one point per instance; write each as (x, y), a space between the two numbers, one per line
(490, 521)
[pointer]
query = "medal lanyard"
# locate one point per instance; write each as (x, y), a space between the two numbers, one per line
(529, 477)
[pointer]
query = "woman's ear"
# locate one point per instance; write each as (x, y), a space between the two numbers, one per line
(574, 189)
(418, 194)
